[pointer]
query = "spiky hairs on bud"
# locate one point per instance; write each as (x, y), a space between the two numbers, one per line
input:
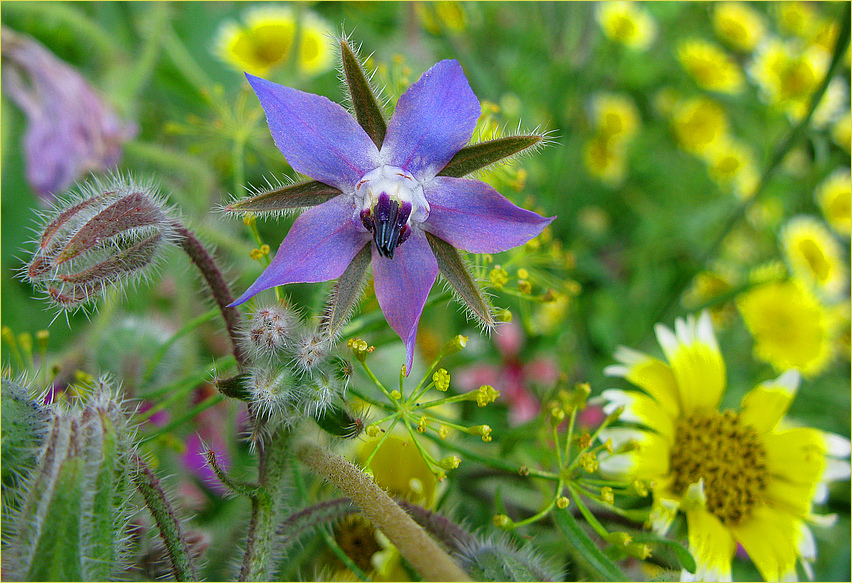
(311, 349)
(273, 391)
(71, 522)
(24, 423)
(109, 233)
(496, 559)
(271, 332)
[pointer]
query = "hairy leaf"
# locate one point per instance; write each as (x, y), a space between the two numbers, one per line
(368, 112)
(346, 292)
(457, 273)
(472, 158)
(293, 196)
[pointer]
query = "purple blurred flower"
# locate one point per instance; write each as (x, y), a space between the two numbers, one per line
(391, 196)
(71, 131)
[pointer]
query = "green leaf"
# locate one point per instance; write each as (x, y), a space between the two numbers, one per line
(346, 293)
(457, 273)
(368, 112)
(294, 196)
(472, 158)
(602, 566)
(687, 561)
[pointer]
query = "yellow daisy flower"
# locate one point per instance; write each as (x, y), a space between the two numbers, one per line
(731, 163)
(441, 16)
(814, 255)
(791, 328)
(711, 67)
(841, 131)
(605, 159)
(698, 123)
(615, 116)
(739, 477)
(798, 18)
(266, 39)
(834, 197)
(738, 25)
(627, 23)
(788, 76)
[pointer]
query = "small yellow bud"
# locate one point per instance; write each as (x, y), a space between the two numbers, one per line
(638, 550)
(455, 344)
(264, 249)
(589, 461)
(441, 378)
(585, 440)
(450, 463)
(504, 316)
(396, 394)
(498, 276)
(256, 254)
(372, 430)
(524, 287)
(359, 348)
(607, 495)
(574, 288)
(249, 220)
(487, 258)
(557, 416)
(523, 274)
(421, 424)
(440, 475)
(562, 502)
(486, 394)
(443, 432)
(483, 430)
(640, 488)
(502, 521)
(608, 445)
(619, 539)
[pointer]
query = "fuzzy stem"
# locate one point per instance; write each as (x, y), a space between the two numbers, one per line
(168, 524)
(216, 282)
(424, 554)
(265, 508)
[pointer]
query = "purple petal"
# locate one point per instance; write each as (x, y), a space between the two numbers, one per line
(318, 137)
(320, 245)
(402, 285)
(433, 120)
(470, 215)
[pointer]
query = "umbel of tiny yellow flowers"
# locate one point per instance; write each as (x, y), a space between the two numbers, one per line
(739, 477)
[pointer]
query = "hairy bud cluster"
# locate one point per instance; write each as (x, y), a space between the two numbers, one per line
(109, 234)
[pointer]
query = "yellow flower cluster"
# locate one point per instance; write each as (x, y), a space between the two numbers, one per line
(267, 37)
(738, 25)
(616, 122)
(710, 66)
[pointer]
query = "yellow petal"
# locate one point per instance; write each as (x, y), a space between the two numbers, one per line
(640, 408)
(712, 546)
(789, 497)
(696, 362)
(771, 538)
(649, 374)
(766, 404)
(647, 458)
(796, 455)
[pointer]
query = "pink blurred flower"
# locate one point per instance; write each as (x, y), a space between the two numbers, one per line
(70, 130)
(512, 377)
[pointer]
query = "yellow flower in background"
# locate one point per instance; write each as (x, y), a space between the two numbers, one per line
(834, 103)
(739, 477)
(605, 159)
(841, 132)
(437, 17)
(798, 18)
(731, 164)
(788, 76)
(711, 67)
(398, 468)
(739, 25)
(834, 197)
(266, 39)
(615, 116)
(790, 327)
(698, 123)
(707, 287)
(627, 23)
(814, 255)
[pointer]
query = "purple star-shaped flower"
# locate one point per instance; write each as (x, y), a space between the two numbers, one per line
(391, 197)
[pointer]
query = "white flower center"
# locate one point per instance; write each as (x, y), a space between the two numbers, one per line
(387, 201)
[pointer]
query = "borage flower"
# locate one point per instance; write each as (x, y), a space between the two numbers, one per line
(390, 191)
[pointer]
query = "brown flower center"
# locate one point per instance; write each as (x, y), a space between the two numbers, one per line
(728, 455)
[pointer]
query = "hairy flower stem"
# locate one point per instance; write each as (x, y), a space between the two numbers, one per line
(216, 282)
(781, 151)
(424, 554)
(259, 559)
(168, 524)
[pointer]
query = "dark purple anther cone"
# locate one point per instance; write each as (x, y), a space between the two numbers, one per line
(391, 219)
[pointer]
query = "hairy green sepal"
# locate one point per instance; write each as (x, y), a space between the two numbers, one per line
(294, 196)
(346, 293)
(368, 112)
(472, 158)
(457, 273)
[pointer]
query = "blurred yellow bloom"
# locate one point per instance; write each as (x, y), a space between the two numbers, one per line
(738, 477)
(398, 468)
(711, 67)
(788, 76)
(605, 159)
(437, 17)
(731, 164)
(707, 287)
(266, 39)
(699, 123)
(738, 25)
(834, 103)
(834, 197)
(627, 23)
(791, 328)
(798, 18)
(615, 116)
(814, 255)
(842, 131)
